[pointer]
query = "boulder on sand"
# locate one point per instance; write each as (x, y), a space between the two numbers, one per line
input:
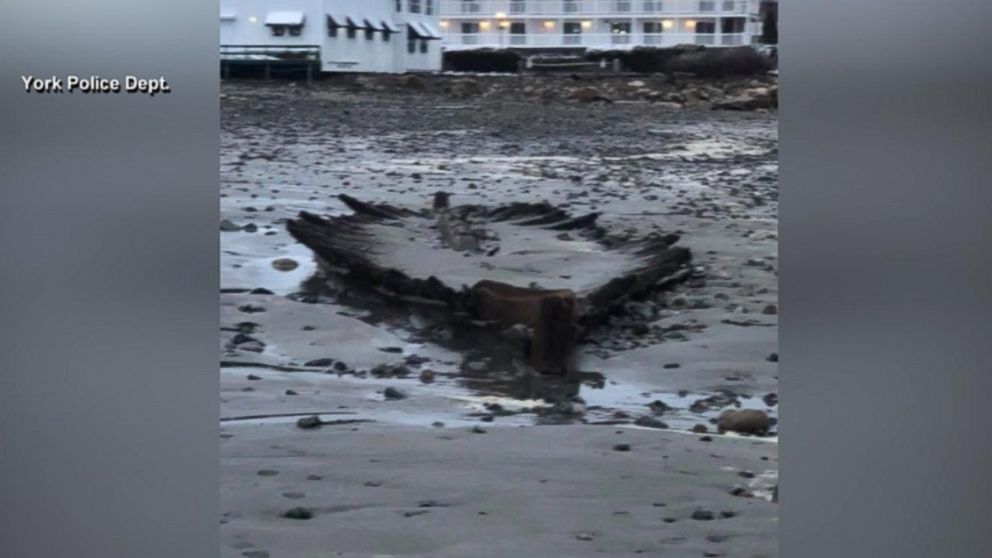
(745, 421)
(588, 95)
(466, 87)
(749, 99)
(412, 81)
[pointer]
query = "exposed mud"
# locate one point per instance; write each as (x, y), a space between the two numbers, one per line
(293, 346)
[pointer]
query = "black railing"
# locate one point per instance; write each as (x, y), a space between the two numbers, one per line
(270, 53)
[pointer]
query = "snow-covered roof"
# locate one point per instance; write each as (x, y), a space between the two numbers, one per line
(430, 30)
(284, 18)
(390, 26)
(423, 30)
(227, 15)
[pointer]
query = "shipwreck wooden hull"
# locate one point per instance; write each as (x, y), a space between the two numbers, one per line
(528, 264)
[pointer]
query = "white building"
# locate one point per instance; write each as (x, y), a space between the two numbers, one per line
(598, 24)
(332, 35)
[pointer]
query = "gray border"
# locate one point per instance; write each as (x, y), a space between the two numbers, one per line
(108, 294)
(885, 273)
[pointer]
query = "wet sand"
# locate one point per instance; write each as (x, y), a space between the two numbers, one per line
(710, 176)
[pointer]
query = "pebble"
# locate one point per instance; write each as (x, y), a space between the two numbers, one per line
(298, 513)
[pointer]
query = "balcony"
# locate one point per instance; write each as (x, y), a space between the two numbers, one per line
(456, 41)
(566, 8)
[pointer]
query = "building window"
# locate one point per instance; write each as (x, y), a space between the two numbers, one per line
(620, 28)
(705, 27)
(621, 6)
(278, 30)
(620, 32)
(411, 41)
(352, 31)
(518, 33)
(652, 32)
(295, 30)
(423, 46)
(399, 6)
(518, 7)
(572, 31)
(470, 7)
(386, 34)
(332, 28)
(429, 7)
(369, 33)
(414, 6)
(732, 25)
(570, 6)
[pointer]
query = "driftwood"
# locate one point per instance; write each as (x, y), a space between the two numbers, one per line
(495, 267)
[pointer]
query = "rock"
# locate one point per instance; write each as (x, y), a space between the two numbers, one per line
(772, 357)
(466, 87)
(745, 421)
(750, 99)
(427, 376)
(703, 515)
(412, 81)
(319, 362)
(391, 371)
(298, 513)
(285, 264)
(252, 346)
(700, 429)
(636, 83)
(307, 423)
(770, 310)
(658, 407)
(291, 392)
(650, 422)
(621, 447)
(227, 226)
(588, 95)
(393, 394)
(771, 399)
(679, 301)
(251, 308)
